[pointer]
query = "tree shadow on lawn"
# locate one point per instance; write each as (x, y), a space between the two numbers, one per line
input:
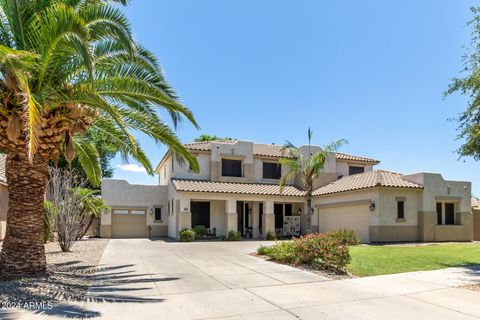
(68, 288)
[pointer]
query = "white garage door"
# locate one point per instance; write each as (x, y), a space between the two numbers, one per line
(356, 218)
(129, 223)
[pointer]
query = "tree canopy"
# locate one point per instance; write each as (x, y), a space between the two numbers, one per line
(469, 84)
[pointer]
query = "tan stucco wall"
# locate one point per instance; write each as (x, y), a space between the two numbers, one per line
(393, 233)
(476, 224)
(106, 231)
(387, 206)
(120, 194)
(157, 231)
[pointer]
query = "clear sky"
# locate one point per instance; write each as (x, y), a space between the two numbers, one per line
(372, 72)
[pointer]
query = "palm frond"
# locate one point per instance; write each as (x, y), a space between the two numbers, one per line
(88, 157)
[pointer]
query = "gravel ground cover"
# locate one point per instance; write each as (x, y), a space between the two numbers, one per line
(473, 287)
(68, 277)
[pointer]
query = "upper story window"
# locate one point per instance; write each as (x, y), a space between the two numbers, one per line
(272, 170)
(355, 170)
(173, 164)
(190, 166)
(231, 168)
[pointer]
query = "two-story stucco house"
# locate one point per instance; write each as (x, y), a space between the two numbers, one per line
(237, 189)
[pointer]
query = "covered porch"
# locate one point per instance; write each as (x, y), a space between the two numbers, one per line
(253, 217)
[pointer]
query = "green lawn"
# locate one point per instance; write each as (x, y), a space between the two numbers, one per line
(375, 260)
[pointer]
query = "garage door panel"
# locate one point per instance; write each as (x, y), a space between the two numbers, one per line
(356, 218)
(129, 223)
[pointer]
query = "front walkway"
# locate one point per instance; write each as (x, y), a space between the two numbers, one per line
(145, 279)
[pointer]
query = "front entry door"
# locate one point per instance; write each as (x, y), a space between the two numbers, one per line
(240, 217)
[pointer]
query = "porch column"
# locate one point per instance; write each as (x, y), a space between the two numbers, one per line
(184, 217)
(231, 219)
(256, 220)
(268, 219)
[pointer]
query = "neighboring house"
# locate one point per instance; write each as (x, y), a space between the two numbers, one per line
(476, 218)
(3, 197)
(237, 189)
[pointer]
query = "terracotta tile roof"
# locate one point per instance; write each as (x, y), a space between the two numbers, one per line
(271, 150)
(475, 203)
(348, 157)
(187, 185)
(3, 177)
(377, 178)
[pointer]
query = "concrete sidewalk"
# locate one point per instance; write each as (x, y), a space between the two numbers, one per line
(143, 279)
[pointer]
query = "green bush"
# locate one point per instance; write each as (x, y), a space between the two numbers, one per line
(281, 251)
(345, 236)
(321, 251)
(200, 231)
(318, 250)
(233, 236)
(264, 250)
(271, 236)
(187, 235)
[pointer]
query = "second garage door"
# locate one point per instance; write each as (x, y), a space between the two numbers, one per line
(129, 223)
(356, 218)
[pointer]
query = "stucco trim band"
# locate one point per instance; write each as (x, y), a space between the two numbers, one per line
(448, 198)
(343, 204)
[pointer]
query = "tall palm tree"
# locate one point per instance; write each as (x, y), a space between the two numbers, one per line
(66, 66)
(305, 168)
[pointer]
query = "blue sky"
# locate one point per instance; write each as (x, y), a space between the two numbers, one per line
(372, 72)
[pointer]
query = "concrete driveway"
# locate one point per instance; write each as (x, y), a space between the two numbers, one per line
(144, 279)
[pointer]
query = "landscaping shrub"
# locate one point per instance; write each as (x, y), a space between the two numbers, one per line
(321, 251)
(264, 250)
(233, 236)
(345, 236)
(318, 250)
(187, 235)
(271, 236)
(282, 251)
(200, 231)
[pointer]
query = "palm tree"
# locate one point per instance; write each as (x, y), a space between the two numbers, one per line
(305, 168)
(66, 66)
(92, 206)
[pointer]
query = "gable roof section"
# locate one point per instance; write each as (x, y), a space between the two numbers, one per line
(271, 150)
(377, 178)
(3, 177)
(187, 185)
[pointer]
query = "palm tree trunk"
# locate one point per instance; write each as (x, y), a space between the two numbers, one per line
(308, 227)
(23, 250)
